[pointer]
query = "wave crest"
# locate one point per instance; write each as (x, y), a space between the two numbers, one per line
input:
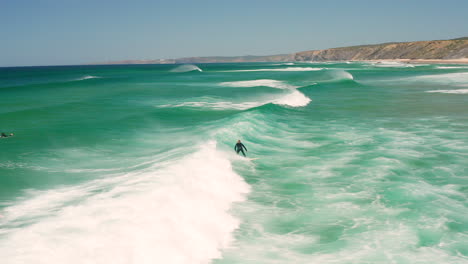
(340, 75)
(294, 99)
(186, 68)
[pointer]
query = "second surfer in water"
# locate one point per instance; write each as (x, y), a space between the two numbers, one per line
(239, 147)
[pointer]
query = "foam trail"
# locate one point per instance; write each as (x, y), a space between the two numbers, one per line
(289, 69)
(86, 77)
(294, 99)
(216, 105)
(186, 68)
(451, 67)
(261, 82)
(448, 78)
(177, 214)
(456, 91)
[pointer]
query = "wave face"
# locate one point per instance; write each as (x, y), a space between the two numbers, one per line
(347, 163)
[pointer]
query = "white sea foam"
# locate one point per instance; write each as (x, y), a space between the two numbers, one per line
(86, 77)
(448, 78)
(295, 99)
(289, 69)
(217, 105)
(456, 91)
(174, 214)
(286, 63)
(261, 82)
(451, 67)
(186, 68)
(392, 64)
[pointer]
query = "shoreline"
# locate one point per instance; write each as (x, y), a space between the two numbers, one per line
(421, 61)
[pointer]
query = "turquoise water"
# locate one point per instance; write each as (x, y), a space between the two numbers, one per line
(357, 163)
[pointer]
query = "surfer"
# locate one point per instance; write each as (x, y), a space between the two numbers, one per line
(239, 147)
(5, 135)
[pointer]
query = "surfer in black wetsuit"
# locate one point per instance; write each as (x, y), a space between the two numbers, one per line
(239, 147)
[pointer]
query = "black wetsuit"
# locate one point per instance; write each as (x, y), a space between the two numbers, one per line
(239, 147)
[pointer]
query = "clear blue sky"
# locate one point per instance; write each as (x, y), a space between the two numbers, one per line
(58, 32)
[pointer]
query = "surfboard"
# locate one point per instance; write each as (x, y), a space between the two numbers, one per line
(252, 158)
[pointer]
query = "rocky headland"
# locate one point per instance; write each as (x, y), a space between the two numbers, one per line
(433, 51)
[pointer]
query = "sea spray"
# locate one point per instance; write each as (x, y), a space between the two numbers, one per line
(294, 99)
(339, 75)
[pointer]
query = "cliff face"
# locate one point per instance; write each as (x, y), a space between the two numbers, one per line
(436, 49)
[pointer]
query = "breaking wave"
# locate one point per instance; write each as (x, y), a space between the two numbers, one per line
(339, 75)
(178, 213)
(294, 99)
(186, 68)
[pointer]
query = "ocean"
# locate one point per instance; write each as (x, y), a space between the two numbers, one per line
(347, 162)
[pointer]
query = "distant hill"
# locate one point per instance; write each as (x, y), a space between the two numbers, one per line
(435, 49)
(214, 59)
(416, 50)
(248, 58)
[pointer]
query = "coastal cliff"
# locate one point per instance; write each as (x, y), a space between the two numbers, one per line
(425, 50)
(454, 49)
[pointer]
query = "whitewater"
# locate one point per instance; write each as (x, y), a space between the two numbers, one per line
(347, 162)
